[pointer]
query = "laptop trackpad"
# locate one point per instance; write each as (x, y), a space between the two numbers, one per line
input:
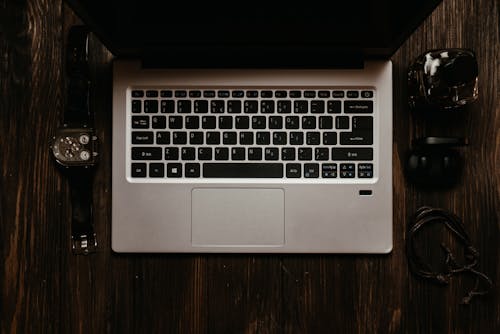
(238, 217)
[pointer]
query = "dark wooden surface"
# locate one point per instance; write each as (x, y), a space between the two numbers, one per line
(45, 289)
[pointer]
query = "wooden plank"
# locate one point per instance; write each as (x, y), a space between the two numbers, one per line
(44, 288)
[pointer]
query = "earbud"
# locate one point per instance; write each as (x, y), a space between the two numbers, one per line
(434, 162)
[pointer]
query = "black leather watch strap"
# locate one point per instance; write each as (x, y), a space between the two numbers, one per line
(83, 237)
(77, 113)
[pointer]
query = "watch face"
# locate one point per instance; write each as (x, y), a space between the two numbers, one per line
(75, 147)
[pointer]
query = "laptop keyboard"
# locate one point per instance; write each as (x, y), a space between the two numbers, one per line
(251, 133)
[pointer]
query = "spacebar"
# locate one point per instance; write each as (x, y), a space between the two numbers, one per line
(243, 170)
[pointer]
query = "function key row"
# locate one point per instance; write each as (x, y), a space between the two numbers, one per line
(251, 170)
(352, 94)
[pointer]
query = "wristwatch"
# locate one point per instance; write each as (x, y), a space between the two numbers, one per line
(75, 145)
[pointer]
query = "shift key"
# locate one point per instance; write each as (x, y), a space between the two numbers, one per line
(146, 153)
(352, 153)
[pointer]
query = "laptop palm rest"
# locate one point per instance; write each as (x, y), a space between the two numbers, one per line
(232, 217)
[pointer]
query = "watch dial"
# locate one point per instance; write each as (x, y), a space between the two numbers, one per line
(74, 147)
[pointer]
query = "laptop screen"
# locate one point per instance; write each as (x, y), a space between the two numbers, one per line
(130, 27)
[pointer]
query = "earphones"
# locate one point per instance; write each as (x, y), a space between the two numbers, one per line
(433, 161)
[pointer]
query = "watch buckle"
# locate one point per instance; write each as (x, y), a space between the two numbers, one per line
(84, 244)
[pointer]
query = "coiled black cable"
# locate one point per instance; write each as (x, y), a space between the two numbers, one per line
(428, 215)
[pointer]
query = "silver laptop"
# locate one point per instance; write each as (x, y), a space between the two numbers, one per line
(262, 131)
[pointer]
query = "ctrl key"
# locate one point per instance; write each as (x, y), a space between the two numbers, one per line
(138, 170)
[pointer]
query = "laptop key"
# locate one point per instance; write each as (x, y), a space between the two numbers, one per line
(362, 122)
(175, 122)
(258, 122)
(254, 153)
(150, 106)
(292, 122)
(188, 153)
(329, 170)
(267, 106)
(159, 122)
(167, 106)
(308, 122)
(162, 137)
(171, 153)
(251, 107)
(151, 93)
(276, 122)
(334, 107)
(180, 93)
(317, 107)
(342, 122)
(242, 122)
(184, 106)
(326, 122)
(229, 138)
(204, 153)
(208, 122)
(358, 107)
(288, 153)
(192, 169)
(137, 93)
(174, 170)
(365, 170)
(146, 153)
(166, 93)
(284, 107)
(296, 138)
(321, 153)
(329, 138)
(246, 138)
(293, 170)
(358, 137)
(234, 107)
(136, 106)
(352, 94)
(213, 138)
(192, 122)
(300, 107)
(156, 169)
(138, 169)
(305, 153)
(142, 137)
(313, 138)
(225, 122)
(201, 106)
(271, 153)
(243, 170)
(179, 138)
(196, 138)
(217, 106)
(221, 153)
(352, 153)
(311, 170)
(238, 153)
(263, 138)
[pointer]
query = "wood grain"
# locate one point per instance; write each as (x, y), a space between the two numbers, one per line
(45, 289)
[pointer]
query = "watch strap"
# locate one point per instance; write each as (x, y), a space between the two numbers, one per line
(77, 112)
(83, 237)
